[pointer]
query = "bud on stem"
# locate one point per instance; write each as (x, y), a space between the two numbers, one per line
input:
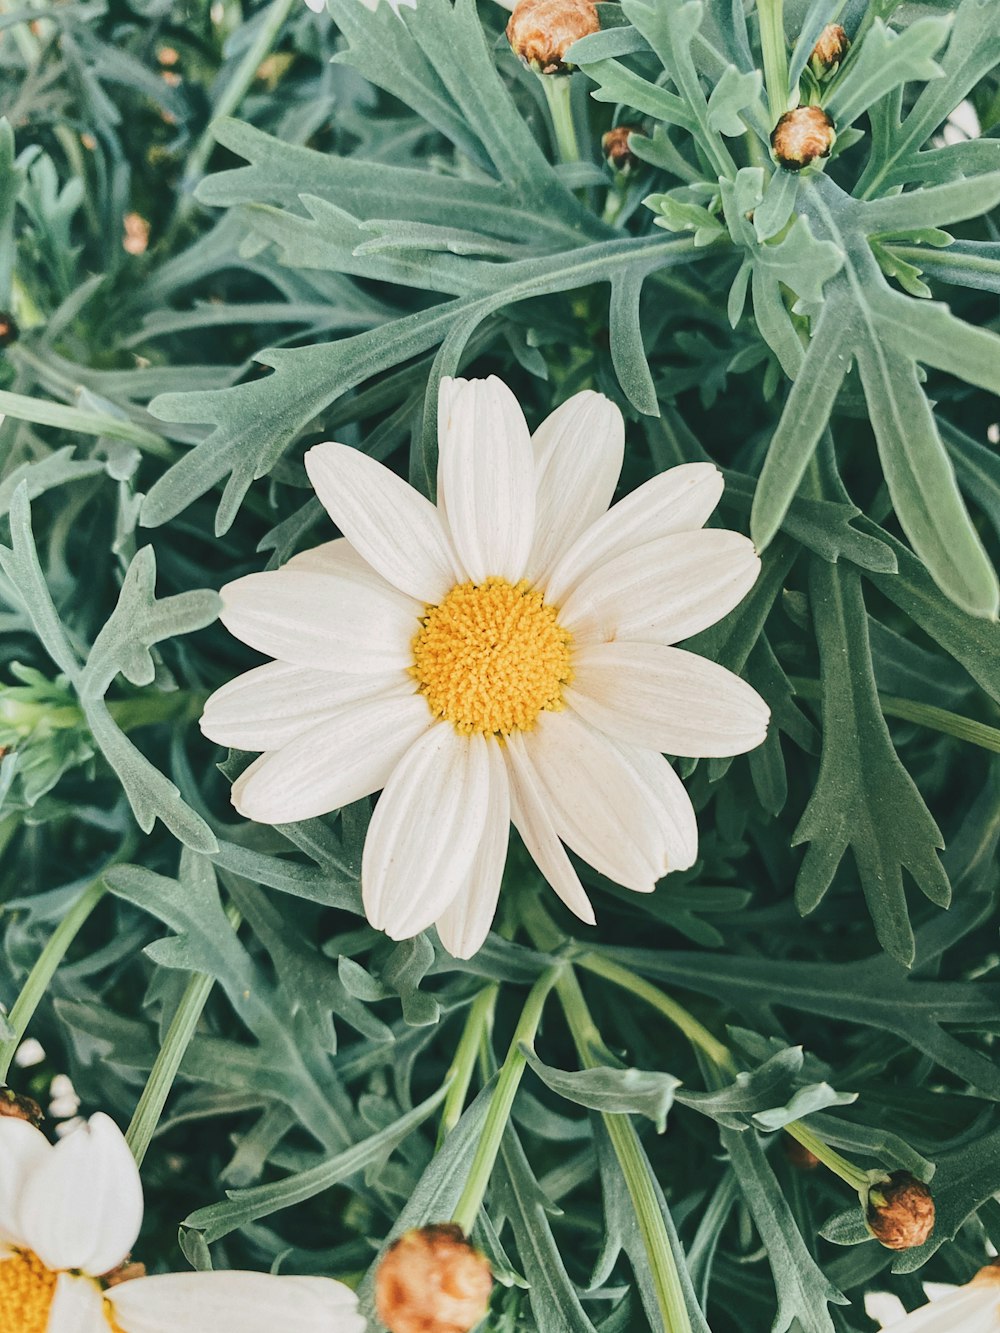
(905, 1216)
(432, 1281)
(540, 32)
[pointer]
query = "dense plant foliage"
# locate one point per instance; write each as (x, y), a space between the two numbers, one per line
(326, 213)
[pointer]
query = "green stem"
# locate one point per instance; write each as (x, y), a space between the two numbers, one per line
(45, 969)
(775, 53)
(478, 1024)
(558, 95)
(168, 1060)
(697, 1034)
(925, 715)
(467, 1208)
(235, 90)
(622, 1133)
(840, 1166)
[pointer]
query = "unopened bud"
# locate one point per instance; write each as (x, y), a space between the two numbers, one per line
(127, 1271)
(615, 147)
(988, 1276)
(19, 1107)
(801, 136)
(906, 1218)
(830, 50)
(799, 1155)
(432, 1281)
(9, 332)
(542, 31)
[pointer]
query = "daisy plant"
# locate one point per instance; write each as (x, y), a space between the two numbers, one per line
(499, 665)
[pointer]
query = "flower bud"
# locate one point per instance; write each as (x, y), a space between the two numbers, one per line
(988, 1276)
(829, 51)
(801, 136)
(432, 1281)
(615, 148)
(18, 1107)
(906, 1217)
(127, 1271)
(542, 31)
(799, 1155)
(9, 331)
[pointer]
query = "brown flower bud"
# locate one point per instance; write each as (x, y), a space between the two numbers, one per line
(18, 1107)
(432, 1281)
(542, 31)
(801, 136)
(799, 1156)
(615, 147)
(830, 50)
(906, 1218)
(988, 1276)
(127, 1271)
(9, 332)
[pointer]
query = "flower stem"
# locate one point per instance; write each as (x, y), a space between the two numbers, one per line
(840, 1166)
(478, 1024)
(44, 970)
(557, 94)
(234, 92)
(624, 1139)
(467, 1208)
(168, 1061)
(772, 42)
(697, 1034)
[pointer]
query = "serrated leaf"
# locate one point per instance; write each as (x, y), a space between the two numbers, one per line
(884, 60)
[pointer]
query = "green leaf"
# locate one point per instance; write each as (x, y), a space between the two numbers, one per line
(803, 1290)
(864, 798)
(884, 60)
(731, 95)
(751, 1090)
(614, 1091)
(245, 1206)
(813, 1097)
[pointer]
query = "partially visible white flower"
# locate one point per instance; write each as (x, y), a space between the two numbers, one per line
(63, 1100)
(69, 1216)
(974, 1308)
(506, 657)
(962, 125)
(30, 1052)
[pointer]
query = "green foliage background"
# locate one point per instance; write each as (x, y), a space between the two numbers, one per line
(390, 206)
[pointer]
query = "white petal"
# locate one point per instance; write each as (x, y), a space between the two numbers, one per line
(342, 623)
(664, 591)
(486, 477)
(466, 922)
(334, 557)
(530, 816)
(579, 451)
(82, 1206)
(678, 500)
(666, 699)
(395, 528)
(968, 1310)
(600, 804)
(339, 760)
(670, 806)
(266, 708)
(233, 1302)
(77, 1307)
(317, 6)
(23, 1150)
(425, 831)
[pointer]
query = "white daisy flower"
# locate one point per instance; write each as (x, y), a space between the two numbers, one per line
(69, 1216)
(504, 657)
(974, 1308)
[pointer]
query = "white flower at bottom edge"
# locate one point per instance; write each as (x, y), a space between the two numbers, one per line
(70, 1214)
(504, 657)
(974, 1308)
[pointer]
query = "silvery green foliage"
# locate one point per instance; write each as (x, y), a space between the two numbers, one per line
(385, 205)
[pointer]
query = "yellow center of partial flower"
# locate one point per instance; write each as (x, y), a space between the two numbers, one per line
(491, 656)
(26, 1291)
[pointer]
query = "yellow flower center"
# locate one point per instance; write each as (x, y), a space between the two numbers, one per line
(491, 656)
(27, 1290)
